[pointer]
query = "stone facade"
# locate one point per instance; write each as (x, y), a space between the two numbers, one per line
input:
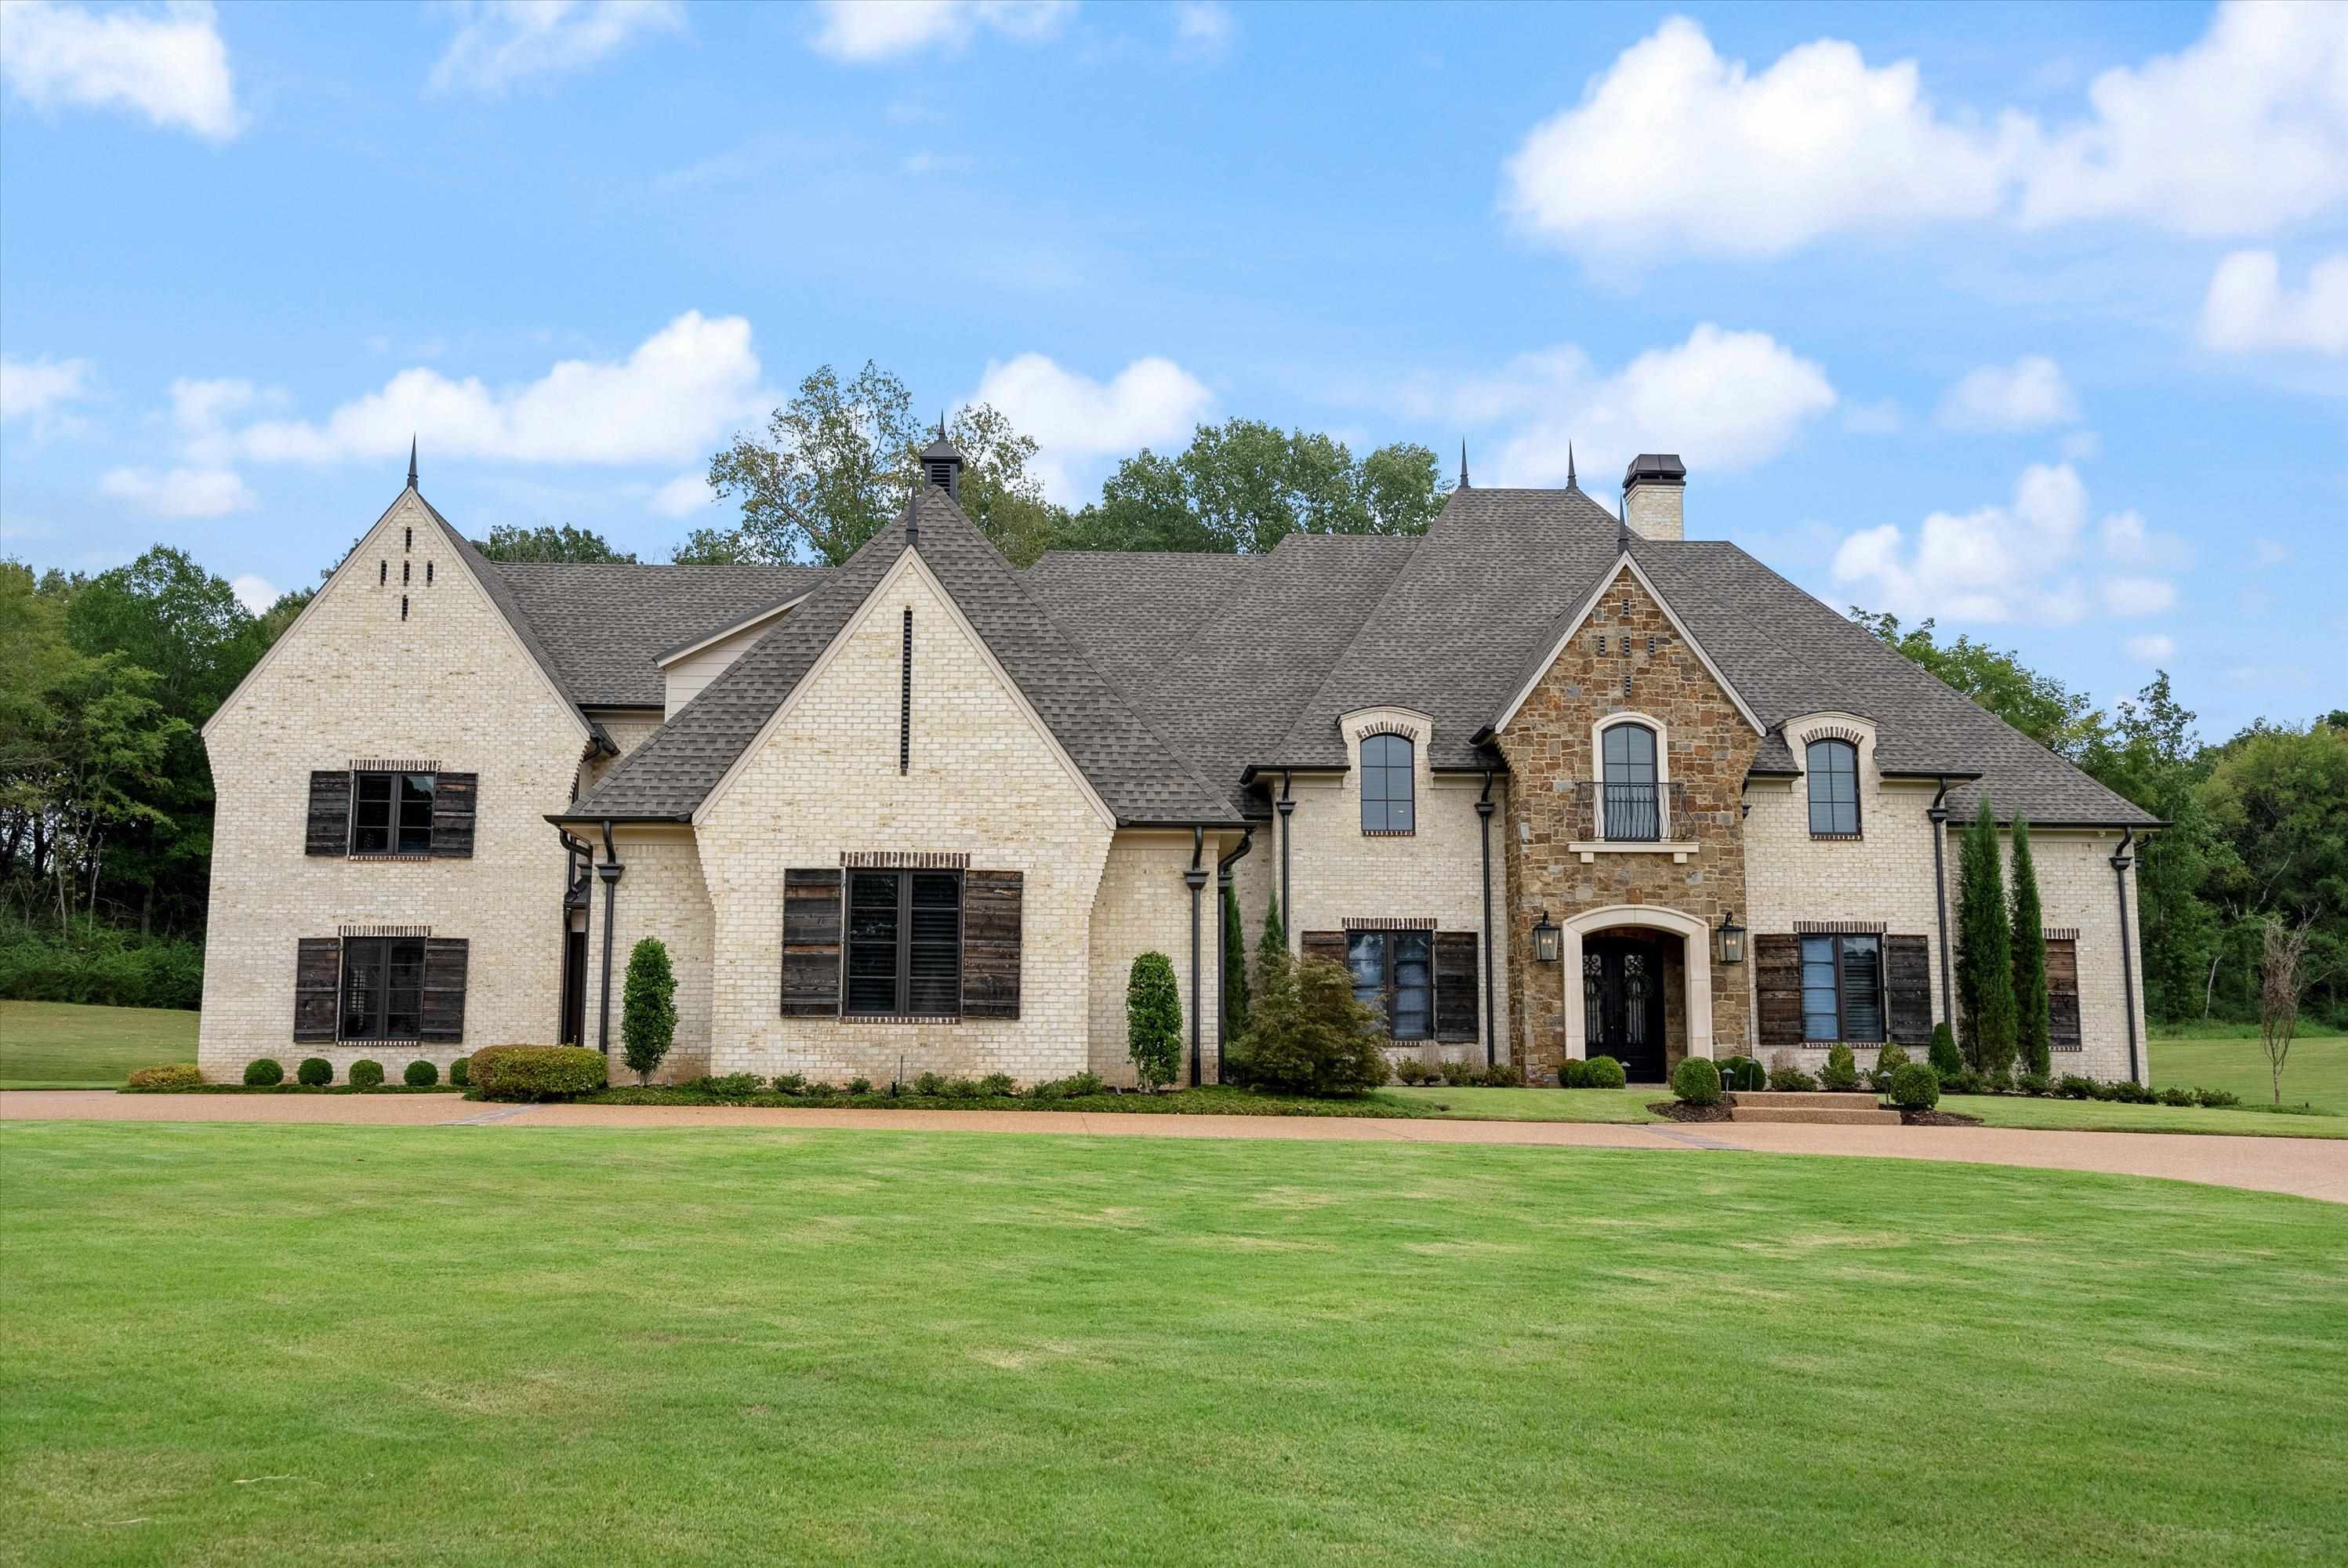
(446, 682)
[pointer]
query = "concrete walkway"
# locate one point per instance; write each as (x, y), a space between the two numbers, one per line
(2307, 1167)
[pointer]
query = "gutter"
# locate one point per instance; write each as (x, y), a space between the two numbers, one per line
(1939, 813)
(1484, 808)
(2121, 860)
(1223, 947)
(1195, 879)
(610, 872)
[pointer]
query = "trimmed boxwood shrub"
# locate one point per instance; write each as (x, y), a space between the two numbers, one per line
(1503, 1075)
(536, 1072)
(995, 1085)
(1916, 1087)
(2217, 1099)
(859, 1086)
(366, 1073)
(1743, 1074)
(460, 1072)
(2073, 1087)
(421, 1074)
(1697, 1081)
(1888, 1060)
(928, 1083)
(1605, 1072)
(1785, 1076)
(1841, 1071)
(263, 1072)
(171, 1075)
(316, 1072)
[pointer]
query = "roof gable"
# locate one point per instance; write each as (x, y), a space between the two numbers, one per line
(1573, 621)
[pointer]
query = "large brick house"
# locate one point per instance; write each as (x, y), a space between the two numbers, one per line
(1531, 776)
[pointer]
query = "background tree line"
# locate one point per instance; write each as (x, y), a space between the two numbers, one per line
(106, 797)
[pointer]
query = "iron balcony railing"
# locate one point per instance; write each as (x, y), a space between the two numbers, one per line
(1631, 813)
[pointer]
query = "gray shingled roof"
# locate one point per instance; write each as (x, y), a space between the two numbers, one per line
(1136, 773)
(605, 625)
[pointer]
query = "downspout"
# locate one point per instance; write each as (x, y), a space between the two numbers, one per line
(1223, 946)
(1196, 880)
(1939, 813)
(1287, 808)
(1484, 825)
(610, 872)
(2120, 863)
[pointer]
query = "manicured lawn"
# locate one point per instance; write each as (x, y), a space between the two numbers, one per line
(2229, 1056)
(233, 1344)
(2105, 1116)
(1445, 1103)
(64, 1045)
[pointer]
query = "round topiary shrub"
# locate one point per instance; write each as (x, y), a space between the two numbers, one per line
(316, 1072)
(366, 1073)
(1574, 1073)
(1696, 1081)
(1916, 1087)
(421, 1074)
(1743, 1074)
(460, 1072)
(1605, 1072)
(1888, 1060)
(263, 1073)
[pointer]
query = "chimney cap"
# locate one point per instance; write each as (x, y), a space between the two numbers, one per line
(1656, 468)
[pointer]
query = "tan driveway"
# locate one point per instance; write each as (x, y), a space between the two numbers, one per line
(2307, 1167)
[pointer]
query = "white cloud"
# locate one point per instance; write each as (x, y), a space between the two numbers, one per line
(2139, 595)
(2152, 647)
(1203, 29)
(36, 391)
(1882, 418)
(499, 44)
(1676, 150)
(2081, 446)
(2269, 552)
(2028, 394)
(182, 492)
(255, 593)
(686, 493)
(1074, 418)
(866, 30)
(2249, 309)
(2128, 543)
(667, 402)
(168, 65)
(1722, 400)
(1991, 564)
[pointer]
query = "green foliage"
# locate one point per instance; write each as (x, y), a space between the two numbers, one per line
(997, 1085)
(460, 1072)
(1153, 1019)
(316, 1072)
(1271, 942)
(1605, 1072)
(547, 541)
(859, 1085)
(1785, 1077)
(1916, 1087)
(171, 1076)
(2217, 1099)
(264, 1071)
(648, 1009)
(1307, 1034)
(2064, 721)
(366, 1073)
(88, 961)
(732, 1086)
(930, 1083)
(1888, 1060)
(1841, 1071)
(1985, 949)
(2074, 1087)
(1742, 1074)
(1572, 1072)
(1696, 1081)
(2153, 757)
(2034, 1083)
(420, 1074)
(536, 1072)
(2033, 1022)
(1504, 1075)
(1235, 977)
(785, 1083)
(2278, 798)
(1944, 1055)
(1460, 1072)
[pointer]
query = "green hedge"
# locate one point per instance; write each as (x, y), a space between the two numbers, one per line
(97, 964)
(536, 1072)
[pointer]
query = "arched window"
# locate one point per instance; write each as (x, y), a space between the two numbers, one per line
(1387, 784)
(1631, 808)
(1834, 786)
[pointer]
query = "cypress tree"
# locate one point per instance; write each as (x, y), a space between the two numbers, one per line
(2033, 1022)
(648, 1009)
(1153, 1019)
(1985, 950)
(1235, 978)
(1272, 945)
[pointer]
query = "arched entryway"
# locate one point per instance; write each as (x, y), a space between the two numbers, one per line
(1638, 988)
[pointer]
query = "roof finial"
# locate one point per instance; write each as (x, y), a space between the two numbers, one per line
(1462, 464)
(1570, 482)
(411, 460)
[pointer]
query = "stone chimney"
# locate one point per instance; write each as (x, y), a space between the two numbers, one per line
(1654, 491)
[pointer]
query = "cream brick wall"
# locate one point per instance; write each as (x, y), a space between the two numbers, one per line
(628, 730)
(1144, 905)
(684, 680)
(985, 779)
(661, 893)
(1338, 872)
(352, 680)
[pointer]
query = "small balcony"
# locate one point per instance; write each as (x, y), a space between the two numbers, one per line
(1627, 814)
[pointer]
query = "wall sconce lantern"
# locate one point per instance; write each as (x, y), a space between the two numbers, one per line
(1731, 939)
(1545, 939)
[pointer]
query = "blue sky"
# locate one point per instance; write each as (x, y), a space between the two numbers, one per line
(2032, 318)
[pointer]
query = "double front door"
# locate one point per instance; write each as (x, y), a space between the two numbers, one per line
(1623, 1005)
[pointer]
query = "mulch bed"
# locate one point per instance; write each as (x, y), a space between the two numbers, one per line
(1680, 1110)
(1937, 1119)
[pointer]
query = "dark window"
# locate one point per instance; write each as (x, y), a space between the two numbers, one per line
(383, 987)
(1632, 812)
(1387, 784)
(1394, 971)
(392, 814)
(1842, 988)
(904, 943)
(1834, 786)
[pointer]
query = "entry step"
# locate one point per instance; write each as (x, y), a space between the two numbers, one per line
(1814, 1115)
(1817, 1099)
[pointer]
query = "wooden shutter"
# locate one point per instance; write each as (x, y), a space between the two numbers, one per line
(329, 815)
(990, 944)
(811, 943)
(2062, 994)
(1908, 990)
(1457, 1001)
(317, 985)
(1777, 981)
(453, 795)
(446, 960)
(1328, 944)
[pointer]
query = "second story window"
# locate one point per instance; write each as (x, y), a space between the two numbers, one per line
(1387, 782)
(391, 814)
(1834, 788)
(1631, 804)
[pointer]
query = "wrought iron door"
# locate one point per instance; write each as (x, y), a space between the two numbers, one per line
(1623, 1005)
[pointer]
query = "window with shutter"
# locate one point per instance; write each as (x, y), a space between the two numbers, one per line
(453, 797)
(1842, 988)
(811, 943)
(2062, 994)
(1907, 989)
(382, 988)
(317, 987)
(1394, 971)
(991, 913)
(445, 962)
(1459, 1010)
(1778, 985)
(329, 831)
(904, 943)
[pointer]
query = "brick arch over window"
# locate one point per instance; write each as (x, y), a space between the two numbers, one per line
(1388, 726)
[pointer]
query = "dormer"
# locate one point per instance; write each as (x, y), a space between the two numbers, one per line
(690, 665)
